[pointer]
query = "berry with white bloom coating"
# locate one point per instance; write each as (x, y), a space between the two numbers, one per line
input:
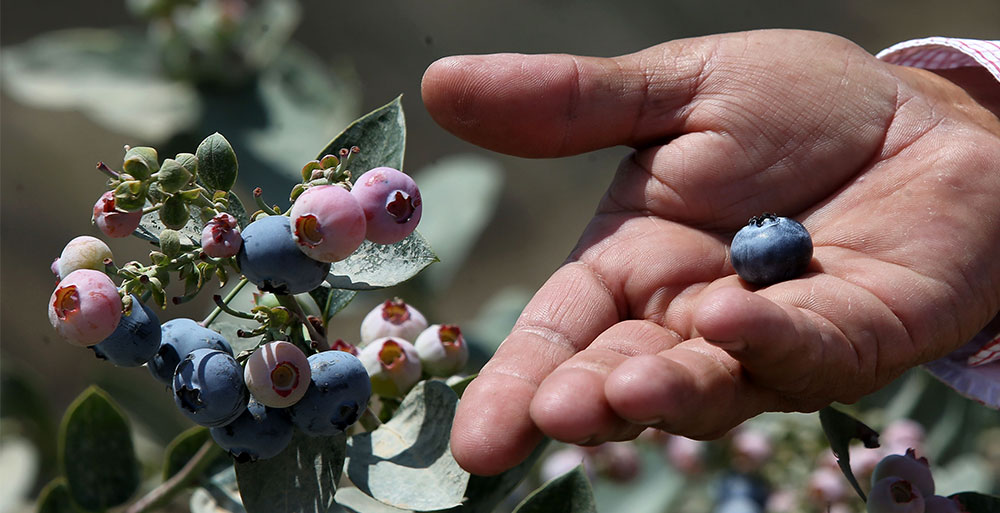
(392, 364)
(393, 318)
(113, 222)
(328, 223)
(85, 308)
(258, 433)
(442, 350)
(277, 374)
(135, 340)
(391, 202)
(208, 387)
(221, 236)
(338, 394)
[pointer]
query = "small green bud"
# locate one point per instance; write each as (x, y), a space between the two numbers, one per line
(329, 162)
(157, 257)
(173, 176)
(217, 165)
(174, 213)
(296, 191)
(307, 170)
(140, 162)
(189, 161)
(130, 195)
(170, 242)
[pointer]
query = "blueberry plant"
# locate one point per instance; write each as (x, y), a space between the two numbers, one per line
(286, 416)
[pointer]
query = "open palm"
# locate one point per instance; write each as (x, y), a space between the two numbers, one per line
(894, 171)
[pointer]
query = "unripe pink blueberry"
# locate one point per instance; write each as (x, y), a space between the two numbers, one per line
(85, 308)
(392, 365)
(907, 466)
(442, 350)
(328, 223)
(393, 318)
(391, 202)
(113, 222)
(83, 252)
(221, 236)
(277, 374)
(894, 495)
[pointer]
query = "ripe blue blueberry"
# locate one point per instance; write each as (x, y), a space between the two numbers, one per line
(270, 258)
(770, 249)
(259, 433)
(338, 394)
(208, 387)
(135, 340)
(178, 338)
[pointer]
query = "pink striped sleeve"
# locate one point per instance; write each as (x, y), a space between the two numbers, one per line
(974, 369)
(945, 53)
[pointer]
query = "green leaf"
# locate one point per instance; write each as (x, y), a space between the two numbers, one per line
(375, 266)
(217, 164)
(96, 453)
(484, 493)
(331, 300)
(180, 450)
(973, 502)
(381, 135)
(840, 428)
(450, 226)
(303, 478)
(407, 462)
(568, 493)
(111, 76)
(460, 384)
(55, 498)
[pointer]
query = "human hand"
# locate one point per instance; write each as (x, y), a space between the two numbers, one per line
(894, 171)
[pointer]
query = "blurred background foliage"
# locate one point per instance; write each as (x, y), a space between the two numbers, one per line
(280, 78)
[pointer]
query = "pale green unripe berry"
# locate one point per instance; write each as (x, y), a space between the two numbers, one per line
(83, 252)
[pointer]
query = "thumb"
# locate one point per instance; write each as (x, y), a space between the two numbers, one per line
(555, 105)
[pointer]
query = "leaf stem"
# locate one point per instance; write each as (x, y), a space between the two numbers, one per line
(194, 468)
(229, 297)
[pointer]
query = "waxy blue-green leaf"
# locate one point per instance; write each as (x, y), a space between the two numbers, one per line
(375, 266)
(484, 493)
(356, 501)
(302, 479)
(568, 493)
(407, 462)
(217, 164)
(96, 453)
(381, 136)
(111, 76)
(840, 428)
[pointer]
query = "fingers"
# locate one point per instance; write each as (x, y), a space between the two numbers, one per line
(555, 105)
(493, 430)
(570, 405)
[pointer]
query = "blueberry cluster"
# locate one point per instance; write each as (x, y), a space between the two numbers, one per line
(251, 401)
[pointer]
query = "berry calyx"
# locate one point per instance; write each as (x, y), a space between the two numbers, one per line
(393, 318)
(277, 374)
(328, 223)
(391, 203)
(221, 236)
(393, 366)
